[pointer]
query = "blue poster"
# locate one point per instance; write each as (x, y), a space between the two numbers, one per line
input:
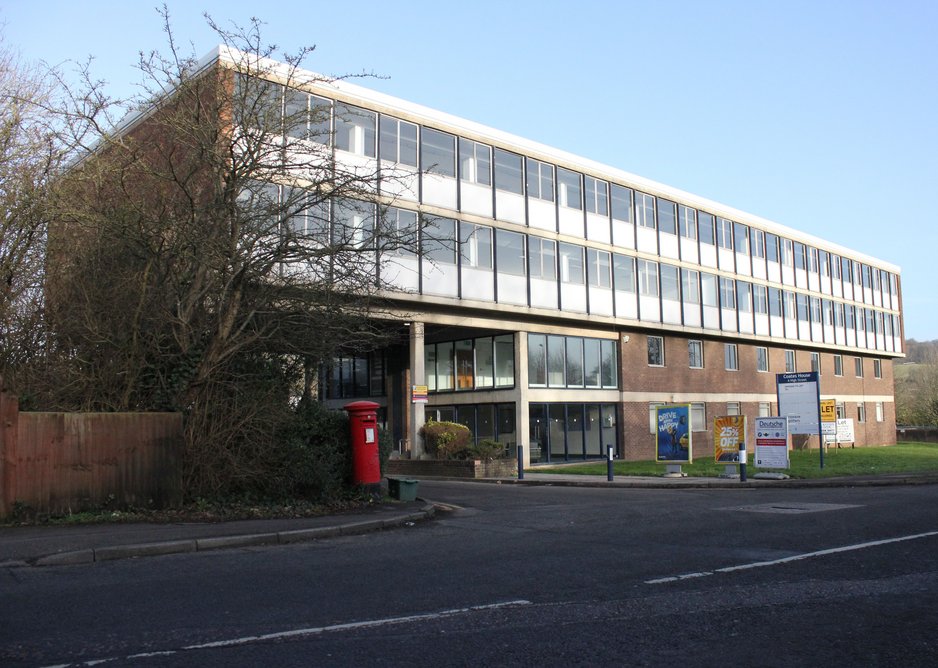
(674, 434)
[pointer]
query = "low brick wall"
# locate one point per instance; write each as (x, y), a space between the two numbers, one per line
(447, 468)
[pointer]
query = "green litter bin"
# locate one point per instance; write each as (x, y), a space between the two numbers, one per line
(402, 489)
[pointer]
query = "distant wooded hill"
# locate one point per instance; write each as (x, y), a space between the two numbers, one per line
(921, 352)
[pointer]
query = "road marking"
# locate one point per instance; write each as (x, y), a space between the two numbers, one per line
(795, 557)
(311, 631)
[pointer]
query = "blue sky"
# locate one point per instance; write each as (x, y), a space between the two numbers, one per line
(817, 115)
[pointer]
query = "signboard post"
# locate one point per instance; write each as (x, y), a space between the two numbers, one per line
(673, 437)
(799, 400)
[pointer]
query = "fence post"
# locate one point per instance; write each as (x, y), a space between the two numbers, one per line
(9, 417)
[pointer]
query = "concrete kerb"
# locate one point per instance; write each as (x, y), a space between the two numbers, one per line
(91, 555)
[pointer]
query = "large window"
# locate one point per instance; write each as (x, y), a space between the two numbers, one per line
(475, 162)
(690, 286)
(621, 203)
(354, 130)
(569, 189)
(647, 278)
(398, 141)
(667, 216)
(597, 199)
(509, 247)
(730, 357)
(508, 172)
(741, 238)
(475, 245)
(598, 268)
(725, 233)
(687, 221)
(571, 362)
(438, 152)
(727, 293)
(350, 377)
(470, 364)
(695, 354)
(705, 228)
(762, 359)
(670, 287)
(571, 264)
(644, 210)
(623, 268)
(655, 351)
(401, 232)
(540, 178)
(543, 258)
(439, 240)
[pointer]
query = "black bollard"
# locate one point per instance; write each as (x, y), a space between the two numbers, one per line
(520, 462)
(609, 473)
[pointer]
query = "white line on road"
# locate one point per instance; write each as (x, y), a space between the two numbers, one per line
(314, 630)
(795, 557)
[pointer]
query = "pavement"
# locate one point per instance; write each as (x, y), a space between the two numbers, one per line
(29, 546)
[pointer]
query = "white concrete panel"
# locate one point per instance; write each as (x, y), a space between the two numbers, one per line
(626, 305)
(440, 279)
(776, 326)
(708, 255)
(743, 264)
(671, 311)
(692, 317)
(509, 207)
(512, 289)
(758, 268)
(746, 325)
(439, 190)
(478, 284)
(598, 228)
(689, 250)
(475, 198)
(711, 317)
(623, 234)
(814, 281)
(572, 298)
(542, 215)
(649, 309)
(728, 319)
(401, 273)
(543, 293)
(774, 272)
(668, 246)
(727, 259)
(762, 324)
(571, 222)
(600, 301)
(399, 182)
(647, 240)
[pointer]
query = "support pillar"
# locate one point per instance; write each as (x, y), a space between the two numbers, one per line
(418, 376)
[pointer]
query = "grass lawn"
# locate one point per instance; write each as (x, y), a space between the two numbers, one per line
(899, 458)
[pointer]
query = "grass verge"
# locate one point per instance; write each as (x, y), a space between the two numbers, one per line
(899, 458)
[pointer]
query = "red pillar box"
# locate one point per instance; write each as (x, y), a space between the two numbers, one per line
(363, 429)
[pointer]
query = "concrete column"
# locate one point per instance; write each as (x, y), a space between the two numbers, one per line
(418, 376)
(522, 424)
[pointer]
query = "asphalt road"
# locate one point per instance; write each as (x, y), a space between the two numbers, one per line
(520, 575)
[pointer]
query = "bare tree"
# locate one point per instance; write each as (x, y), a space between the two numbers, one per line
(212, 248)
(29, 157)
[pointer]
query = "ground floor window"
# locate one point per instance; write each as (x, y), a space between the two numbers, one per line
(565, 431)
(485, 421)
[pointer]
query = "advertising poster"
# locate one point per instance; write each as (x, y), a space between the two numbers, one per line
(673, 434)
(772, 443)
(728, 432)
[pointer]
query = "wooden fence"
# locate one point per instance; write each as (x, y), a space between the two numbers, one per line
(68, 462)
